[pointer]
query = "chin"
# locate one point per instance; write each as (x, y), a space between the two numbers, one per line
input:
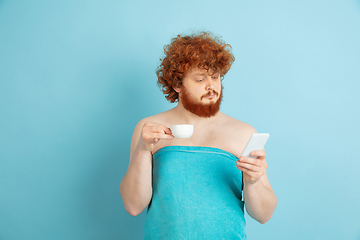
(210, 101)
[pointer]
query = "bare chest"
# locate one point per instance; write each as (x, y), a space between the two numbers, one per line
(218, 137)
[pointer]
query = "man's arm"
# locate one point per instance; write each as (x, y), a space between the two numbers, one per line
(260, 199)
(136, 186)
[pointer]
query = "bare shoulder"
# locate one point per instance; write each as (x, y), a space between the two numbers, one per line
(238, 127)
(237, 133)
(160, 118)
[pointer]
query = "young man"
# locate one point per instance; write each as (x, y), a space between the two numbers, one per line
(195, 188)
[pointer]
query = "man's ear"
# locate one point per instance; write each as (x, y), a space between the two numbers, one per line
(177, 89)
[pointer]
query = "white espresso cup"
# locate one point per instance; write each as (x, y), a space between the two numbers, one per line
(182, 130)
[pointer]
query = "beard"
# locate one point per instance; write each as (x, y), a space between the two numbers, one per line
(201, 109)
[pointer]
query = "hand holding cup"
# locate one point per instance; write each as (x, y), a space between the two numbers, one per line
(151, 134)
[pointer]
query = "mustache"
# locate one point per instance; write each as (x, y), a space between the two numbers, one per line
(210, 93)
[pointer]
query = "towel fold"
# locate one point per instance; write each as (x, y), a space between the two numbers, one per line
(197, 194)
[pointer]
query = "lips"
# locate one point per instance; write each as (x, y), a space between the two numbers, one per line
(210, 95)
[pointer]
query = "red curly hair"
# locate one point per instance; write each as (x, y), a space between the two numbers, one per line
(184, 52)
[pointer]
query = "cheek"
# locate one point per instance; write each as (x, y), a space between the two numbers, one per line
(219, 87)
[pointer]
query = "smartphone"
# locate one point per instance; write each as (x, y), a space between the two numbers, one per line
(257, 142)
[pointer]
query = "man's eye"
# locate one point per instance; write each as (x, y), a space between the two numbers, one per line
(200, 80)
(215, 76)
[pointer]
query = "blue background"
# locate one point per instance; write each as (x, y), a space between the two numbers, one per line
(76, 77)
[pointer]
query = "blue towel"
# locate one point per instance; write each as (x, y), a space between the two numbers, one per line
(197, 194)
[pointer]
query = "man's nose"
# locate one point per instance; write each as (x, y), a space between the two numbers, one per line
(209, 84)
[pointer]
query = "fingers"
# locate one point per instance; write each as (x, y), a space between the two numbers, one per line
(248, 166)
(250, 176)
(158, 128)
(153, 132)
(252, 164)
(259, 153)
(252, 161)
(253, 168)
(161, 136)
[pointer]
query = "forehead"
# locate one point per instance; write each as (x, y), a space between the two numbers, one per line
(199, 71)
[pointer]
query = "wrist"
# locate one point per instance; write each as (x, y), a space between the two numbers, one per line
(144, 148)
(142, 151)
(141, 158)
(253, 184)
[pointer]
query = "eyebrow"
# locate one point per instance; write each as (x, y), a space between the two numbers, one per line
(204, 74)
(199, 74)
